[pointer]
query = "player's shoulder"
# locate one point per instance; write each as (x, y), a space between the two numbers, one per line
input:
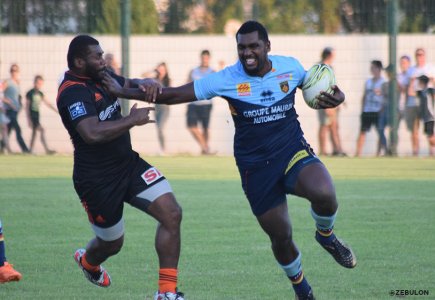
(70, 88)
(287, 64)
(30, 92)
(288, 60)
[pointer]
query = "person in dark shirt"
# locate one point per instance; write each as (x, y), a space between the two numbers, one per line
(107, 172)
(34, 98)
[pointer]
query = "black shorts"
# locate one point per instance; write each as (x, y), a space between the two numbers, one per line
(198, 114)
(104, 199)
(368, 119)
(267, 184)
(429, 128)
(34, 118)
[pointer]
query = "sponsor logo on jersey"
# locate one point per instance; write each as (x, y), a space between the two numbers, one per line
(151, 175)
(77, 110)
(107, 113)
(98, 96)
(284, 86)
(244, 89)
(267, 96)
(268, 114)
(297, 157)
(285, 76)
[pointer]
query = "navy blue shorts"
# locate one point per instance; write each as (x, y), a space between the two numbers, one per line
(267, 184)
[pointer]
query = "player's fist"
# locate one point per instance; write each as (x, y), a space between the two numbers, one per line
(140, 116)
(151, 88)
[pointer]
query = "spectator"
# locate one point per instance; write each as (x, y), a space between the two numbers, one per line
(12, 101)
(111, 63)
(7, 272)
(34, 98)
(4, 121)
(162, 111)
(427, 101)
(413, 106)
(372, 104)
(199, 111)
(328, 118)
(403, 79)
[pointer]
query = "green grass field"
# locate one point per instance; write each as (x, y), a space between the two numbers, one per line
(387, 214)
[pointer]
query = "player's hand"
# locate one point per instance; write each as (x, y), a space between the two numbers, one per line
(140, 116)
(327, 100)
(151, 88)
(111, 85)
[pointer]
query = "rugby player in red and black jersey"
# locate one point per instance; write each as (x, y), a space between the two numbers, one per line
(107, 172)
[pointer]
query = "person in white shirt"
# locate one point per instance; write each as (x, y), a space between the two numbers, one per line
(413, 105)
(372, 104)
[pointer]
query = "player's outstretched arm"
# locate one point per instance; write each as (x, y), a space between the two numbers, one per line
(327, 100)
(92, 131)
(176, 95)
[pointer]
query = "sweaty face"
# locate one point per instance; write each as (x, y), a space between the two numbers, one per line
(253, 54)
(95, 63)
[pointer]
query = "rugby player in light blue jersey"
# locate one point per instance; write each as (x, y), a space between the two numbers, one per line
(271, 153)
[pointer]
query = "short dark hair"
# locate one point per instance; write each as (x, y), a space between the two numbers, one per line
(406, 57)
(252, 26)
(327, 52)
(205, 52)
(38, 77)
(423, 79)
(78, 48)
(377, 63)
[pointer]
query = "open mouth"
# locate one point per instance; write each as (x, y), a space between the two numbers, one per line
(250, 62)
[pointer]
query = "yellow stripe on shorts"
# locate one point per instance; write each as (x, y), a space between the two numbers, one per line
(297, 157)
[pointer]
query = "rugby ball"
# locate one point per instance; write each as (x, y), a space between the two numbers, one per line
(319, 77)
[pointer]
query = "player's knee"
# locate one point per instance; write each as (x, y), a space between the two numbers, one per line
(324, 198)
(282, 240)
(172, 220)
(113, 247)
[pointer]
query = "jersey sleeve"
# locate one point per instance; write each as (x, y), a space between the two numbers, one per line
(75, 104)
(299, 71)
(209, 86)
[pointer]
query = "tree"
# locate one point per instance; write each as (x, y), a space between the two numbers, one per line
(417, 15)
(329, 16)
(13, 10)
(144, 18)
(288, 16)
(224, 10)
(365, 16)
(177, 14)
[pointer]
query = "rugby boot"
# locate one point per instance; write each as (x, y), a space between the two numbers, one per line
(100, 278)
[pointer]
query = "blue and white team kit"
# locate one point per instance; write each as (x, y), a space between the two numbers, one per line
(269, 145)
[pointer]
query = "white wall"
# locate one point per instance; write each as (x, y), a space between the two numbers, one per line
(46, 55)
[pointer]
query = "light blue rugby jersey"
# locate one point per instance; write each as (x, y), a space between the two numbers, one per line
(262, 107)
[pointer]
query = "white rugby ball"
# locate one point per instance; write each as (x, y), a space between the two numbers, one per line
(319, 77)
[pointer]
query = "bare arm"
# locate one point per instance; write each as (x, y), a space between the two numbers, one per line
(411, 87)
(177, 95)
(93, 131)
(49, 105)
